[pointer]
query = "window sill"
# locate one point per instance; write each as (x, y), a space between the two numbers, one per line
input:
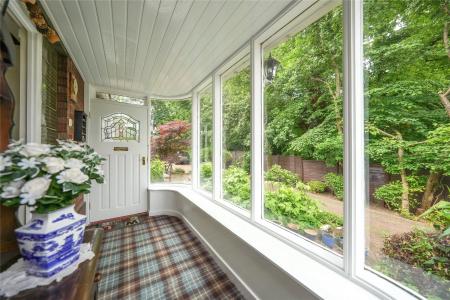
(324, 281)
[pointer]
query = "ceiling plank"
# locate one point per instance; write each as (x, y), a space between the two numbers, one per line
(178, 22)
(151, 11)
(238, 13)
(218, 12)
(78, 25)
(104, 14)
(195, 17)
(89, 14)
(135, 13)
(156, 47)
(119, 15)
(163, 20)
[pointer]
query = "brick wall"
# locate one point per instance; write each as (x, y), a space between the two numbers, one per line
(58, 110)
(49, 93)
(67, 106)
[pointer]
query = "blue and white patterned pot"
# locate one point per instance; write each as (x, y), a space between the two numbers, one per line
(49, 243)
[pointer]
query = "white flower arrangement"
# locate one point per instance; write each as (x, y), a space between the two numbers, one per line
(47, 177)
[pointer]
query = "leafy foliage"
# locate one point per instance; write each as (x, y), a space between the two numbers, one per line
(298, 207)
(317, 186)
(391, 193)
(408, 253)
(206, 170)
(439, 215)
(236, 111)
(171, 140)
(420, 249)
(157, 168)
(335, 183)
(277, 174)
(236, 186)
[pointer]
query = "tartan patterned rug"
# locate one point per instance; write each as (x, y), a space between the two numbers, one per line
(158, 258)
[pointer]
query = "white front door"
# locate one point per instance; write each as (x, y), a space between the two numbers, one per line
(118, 131)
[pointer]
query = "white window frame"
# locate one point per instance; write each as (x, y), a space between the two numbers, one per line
(206, 85)
(194, 134)
(290, 21)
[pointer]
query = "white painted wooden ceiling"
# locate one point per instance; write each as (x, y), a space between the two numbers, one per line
(156, 47)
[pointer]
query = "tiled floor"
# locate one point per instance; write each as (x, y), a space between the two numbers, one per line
(158, 258)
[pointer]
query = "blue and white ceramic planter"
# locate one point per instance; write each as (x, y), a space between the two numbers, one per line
(50, 243)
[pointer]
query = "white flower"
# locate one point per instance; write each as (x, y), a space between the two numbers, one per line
(99, 170)
(73, 163)
(70, 146)
(72, 175)
(14, 146)
(5, 161)
(53, 164)
(28, 163)
(34, 189)
(12, 190)
(34, 149)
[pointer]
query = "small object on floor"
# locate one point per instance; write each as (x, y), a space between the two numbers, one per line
(132, 221)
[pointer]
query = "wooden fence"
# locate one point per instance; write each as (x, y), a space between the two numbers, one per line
(308, 170)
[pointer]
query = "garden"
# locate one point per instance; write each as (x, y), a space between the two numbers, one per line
(407, 129)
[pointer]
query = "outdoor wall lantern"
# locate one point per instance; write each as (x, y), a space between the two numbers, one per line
(270, 68)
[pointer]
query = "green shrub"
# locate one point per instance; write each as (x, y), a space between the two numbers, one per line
(206, 170)
(227, 157)
(278, 174)
(407, 254)
(206, 154)
(236, 186)
(439, 215)
(335, 183)
(206, 176)
(391, 193)
(246, 161)
(317, 186)
(157, 167)
(302, 186)
(420, 249)
(297, 206)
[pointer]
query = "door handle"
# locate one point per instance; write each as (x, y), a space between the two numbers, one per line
(143, 160)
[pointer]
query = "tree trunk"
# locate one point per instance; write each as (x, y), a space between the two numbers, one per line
(337, 95)
(445, 101)
(445, 31)
(405, 185)
(430, 189)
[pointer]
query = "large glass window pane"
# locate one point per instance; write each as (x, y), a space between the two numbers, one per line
(236, 135)
(407, 75)
(303, 182)
(206, 147)
(171, 145)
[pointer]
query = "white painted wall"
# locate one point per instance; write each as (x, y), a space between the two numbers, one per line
(254, 275)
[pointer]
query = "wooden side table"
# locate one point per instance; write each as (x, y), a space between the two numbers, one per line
(80, 285)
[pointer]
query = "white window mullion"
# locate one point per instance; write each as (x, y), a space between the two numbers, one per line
(257, 119)
(354, 158)
(195, 140)
(217, 137)
(34, 86)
